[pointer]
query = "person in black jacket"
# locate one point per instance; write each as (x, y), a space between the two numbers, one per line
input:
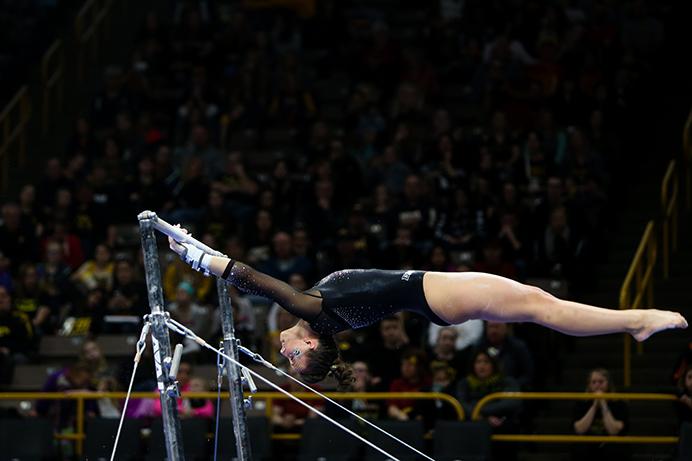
(15, 336)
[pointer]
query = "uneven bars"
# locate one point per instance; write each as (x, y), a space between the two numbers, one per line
(175, 232)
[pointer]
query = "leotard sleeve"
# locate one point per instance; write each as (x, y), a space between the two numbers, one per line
(249, 280)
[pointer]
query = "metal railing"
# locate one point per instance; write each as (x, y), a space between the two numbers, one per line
(571, 438)
(640, 278)
(269, 397)
(13, 121)
(687, 160)
(669, 205)
(52, 80)
(91, 25)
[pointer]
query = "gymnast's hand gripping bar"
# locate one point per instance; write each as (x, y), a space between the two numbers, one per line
(175, 232)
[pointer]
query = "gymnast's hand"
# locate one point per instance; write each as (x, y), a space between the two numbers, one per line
(176, 246)
(195, 257)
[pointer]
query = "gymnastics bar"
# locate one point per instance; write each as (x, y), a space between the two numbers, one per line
(161, 342)
(235, 385)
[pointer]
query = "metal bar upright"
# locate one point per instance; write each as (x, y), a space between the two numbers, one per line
(235, 384)
(161, 344)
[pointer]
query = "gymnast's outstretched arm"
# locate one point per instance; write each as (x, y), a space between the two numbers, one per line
(250, 280)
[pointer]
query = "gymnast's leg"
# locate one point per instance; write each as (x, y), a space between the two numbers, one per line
(457, 297)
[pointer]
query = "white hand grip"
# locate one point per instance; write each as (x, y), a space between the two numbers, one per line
(175, 232)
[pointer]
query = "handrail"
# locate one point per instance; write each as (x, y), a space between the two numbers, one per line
(78, 436)
(14, 130)
(641, 272)
(88, 24)
(569, 438)
(687, 159)
(52, 68)
(669, 205)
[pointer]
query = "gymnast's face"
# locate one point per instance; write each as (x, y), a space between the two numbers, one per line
(295, 345)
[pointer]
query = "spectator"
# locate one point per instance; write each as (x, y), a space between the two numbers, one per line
(600, 417)
(177, 272)
(96, 272)
(283, 262)
(92, 357)
(684, 403)
(17, 238)
(63, 413)
(413, 378)
(486, 378)
(129, 295)
(386, 364)
(187, 407)
(445, 352)
(444, 378)
(363, 382)
(290, 416)
(30, 298)
(191, 314)
(108, 408)
(54, 277)
(16, 336)
(5, 274)
(510, 352)
(468, 334)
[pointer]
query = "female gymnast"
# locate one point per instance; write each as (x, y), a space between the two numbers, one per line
(355, 298)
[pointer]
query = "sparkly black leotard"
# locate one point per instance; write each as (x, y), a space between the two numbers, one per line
(352, 298)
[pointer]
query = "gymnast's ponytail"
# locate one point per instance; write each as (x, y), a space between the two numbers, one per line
(325, 361)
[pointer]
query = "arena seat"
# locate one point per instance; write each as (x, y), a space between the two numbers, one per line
(457, 440)
(31, 377)
(410, 432)
(100, 437)
(194, 438)
(26, 439)
(260, 438)
(685, 444)
(325, 442)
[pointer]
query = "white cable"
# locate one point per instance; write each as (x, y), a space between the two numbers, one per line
(141, 345)
(271, 366)
(189, 333)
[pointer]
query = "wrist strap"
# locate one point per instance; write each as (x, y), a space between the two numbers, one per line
(227, 270)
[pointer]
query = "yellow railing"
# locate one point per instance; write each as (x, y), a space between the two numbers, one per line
(90, 25)
(687, 159)
(79, 435)
(669, 204)
(559, 438)
(52, 69)
(640, 277)
(13, 121)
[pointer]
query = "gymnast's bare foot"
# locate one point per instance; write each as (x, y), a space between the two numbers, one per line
(653, 321)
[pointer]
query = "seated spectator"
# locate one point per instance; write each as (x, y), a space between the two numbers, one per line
(684, 403)
(176, 272)
(290, 416)
(443, 380)
(54, 277)
(191, 314)
(188, 408)
(5, 274)
(96, 272)
(30, 299)
(486, 378)
(363, 382)
(283, 262)
(129, 295)
(511, 352)
(85, 316)
(600, 417)
(108, 408)
(16, 336)
(63, 413)
(17, 238)
(493, 262)
(386, 364)
(468, 334)
(444, 351)
(413, 378)
(92, 357)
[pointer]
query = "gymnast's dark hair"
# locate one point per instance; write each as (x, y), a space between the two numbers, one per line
(325, 361)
